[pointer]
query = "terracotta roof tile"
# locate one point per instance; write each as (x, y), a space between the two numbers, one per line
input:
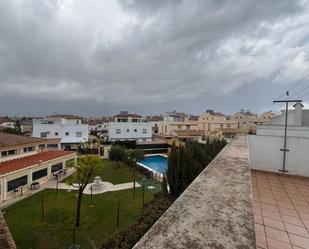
(24, 162)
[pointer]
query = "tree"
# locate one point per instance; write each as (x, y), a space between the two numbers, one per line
(86, 167)
(173, 170)
(116, 153)
(186, 162)
(132, 157)
(164, 186)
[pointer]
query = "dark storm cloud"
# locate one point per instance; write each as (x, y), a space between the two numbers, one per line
(145, 53)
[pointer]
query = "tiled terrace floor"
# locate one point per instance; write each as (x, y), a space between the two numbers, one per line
(281, 211)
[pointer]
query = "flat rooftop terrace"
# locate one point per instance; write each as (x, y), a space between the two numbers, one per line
(281, 210)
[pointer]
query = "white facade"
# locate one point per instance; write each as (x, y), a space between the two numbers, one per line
(71, 131)
(8, 124)
(265, 148)
(139, 131)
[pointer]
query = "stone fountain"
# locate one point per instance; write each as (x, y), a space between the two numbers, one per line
(97, 183)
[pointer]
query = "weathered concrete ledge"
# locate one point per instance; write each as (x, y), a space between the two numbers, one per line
(215, 211)
(6, 239)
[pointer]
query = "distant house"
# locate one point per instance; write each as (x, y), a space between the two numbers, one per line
(174, 116)
(22, 162)
(129, 127)
(6, 122)
(69, 128)
(217, 125)
(26, 126)
(265, 117)
(246, 121)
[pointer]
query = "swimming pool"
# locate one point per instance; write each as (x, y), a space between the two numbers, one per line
(156, 163)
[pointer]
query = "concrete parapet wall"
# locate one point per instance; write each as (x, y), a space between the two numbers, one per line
(215, 211)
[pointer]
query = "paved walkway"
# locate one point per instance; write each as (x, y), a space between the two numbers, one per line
(104, 187)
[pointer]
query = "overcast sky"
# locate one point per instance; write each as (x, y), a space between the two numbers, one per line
(101, 56)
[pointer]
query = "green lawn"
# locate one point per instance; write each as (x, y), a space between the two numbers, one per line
(54, 231)
(109, 172)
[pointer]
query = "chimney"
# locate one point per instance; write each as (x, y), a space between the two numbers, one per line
(298, 113)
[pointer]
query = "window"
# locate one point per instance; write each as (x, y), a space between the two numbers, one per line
(188, 127)
(135, 130)
(11, 152)
(144, 131)
(128, 130)
(56, 133)
(56, 167)
(228, 125)
(67, 133)
(179, 127)
(13, 184)
(28, 149)
(79, 134)
(43, 134)
(77, 122)
(118, 131)
(39, 174)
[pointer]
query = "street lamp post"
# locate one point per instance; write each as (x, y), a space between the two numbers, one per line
(74, 246)
(144, 192)
(57, 179)
(91, 197)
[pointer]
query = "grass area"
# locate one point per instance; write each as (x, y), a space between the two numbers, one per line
(54, 231)
(109, 172)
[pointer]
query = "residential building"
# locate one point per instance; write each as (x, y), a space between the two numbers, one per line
(167, 127)
(26, 126)
(174, 116)
(216, 125)
(6, 122)
(266, 117)
(246, 121)
(22, 162)
(129, 127)
(69, 128)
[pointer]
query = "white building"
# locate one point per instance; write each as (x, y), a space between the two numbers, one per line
(266, 146)
(6, 122)
(174, 116)
(129, 127)
(69, 128)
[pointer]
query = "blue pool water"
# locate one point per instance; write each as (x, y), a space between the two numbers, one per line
(157, 163)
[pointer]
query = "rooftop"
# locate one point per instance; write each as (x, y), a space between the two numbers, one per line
(8, 140)
(126, 115)
(215, 211)
(281, 210)
(24, 162)
(187, 133)
(66, 116)
(5, 119)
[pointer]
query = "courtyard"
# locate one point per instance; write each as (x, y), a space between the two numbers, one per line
(31, 227)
